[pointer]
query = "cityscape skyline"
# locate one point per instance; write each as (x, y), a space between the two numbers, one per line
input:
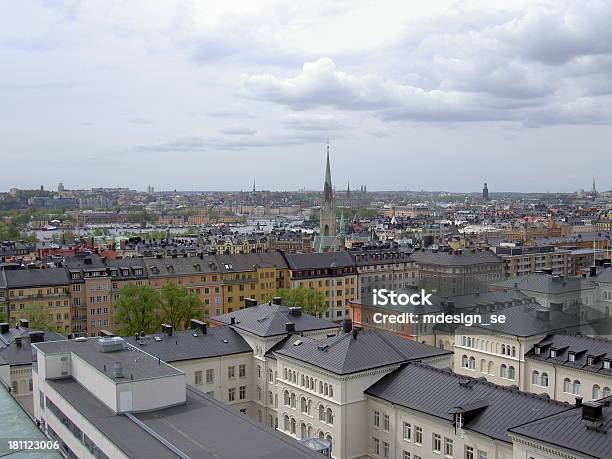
(212, 96)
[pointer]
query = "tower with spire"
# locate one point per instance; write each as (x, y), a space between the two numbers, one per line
(594, 192)
(328, 207)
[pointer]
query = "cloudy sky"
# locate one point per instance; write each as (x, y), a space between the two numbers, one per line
(207, 95)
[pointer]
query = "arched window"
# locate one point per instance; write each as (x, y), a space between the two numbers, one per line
(328, 437)
(441, 344)
(292, 400)
(490, 367)
(321, 413)
(302, 382)
(535, 378)
(576, 387)
(513, 351)
(285, 373)
(503, 371)
(464, 361)
(303, 405)
(596, 392)
(286, 398)
(309, 431)
(321, 434)
(309, 407)
(567, 386)
(511, 372)
(483, 366)
(605, 392)
(286, 422)
(329, 418)
(302, 430)
(503, 349)
(331, 390)
(497, 348)
(293, 423)
(326, 389)
(472, 363)
(544, 379)
(320, 387)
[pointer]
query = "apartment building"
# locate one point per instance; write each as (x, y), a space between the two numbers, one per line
(201, 275)
(383, 268)
(523, 260)
(105, 398)
(332, 273)
(459, 272)
(48, 288)
(567, 366)
(422, 412)
(16, 359)
(497, 351)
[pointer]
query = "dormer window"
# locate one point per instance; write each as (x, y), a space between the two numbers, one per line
(553, 353)
(590, 360)
(571, 357)
(537, 350)
(606, 364)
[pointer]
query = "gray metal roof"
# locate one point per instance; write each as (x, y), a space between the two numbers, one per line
(604, 276)
(17, 278)
(492, 409)
(546, 283)
(318, 260)
(181, 266)
(465, 258)
(533, 319)
(582, 347)
(183, 345)
(568, 430)
(136, 364)
(345, 353)
(271, 320)
(21, 355)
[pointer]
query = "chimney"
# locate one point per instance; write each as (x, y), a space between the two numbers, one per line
(607, 264)
(37, 337)
(592, 411)
(355, 333)
(232, 320)
(592, 271)
(543, 314)
(23, 323)
(290, 327)
(106, 334)
(347, 325)
(578, 402)
(277, 300)
(557, 307)
(198, 325)
(4, 328)
(18, 341)
(249, 302)
(295, 311)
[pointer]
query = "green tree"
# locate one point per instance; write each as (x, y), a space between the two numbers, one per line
(38, 318)
(137, 309)
(178, 306)
(311, 301)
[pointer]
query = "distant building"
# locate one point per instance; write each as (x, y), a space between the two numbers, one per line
(485, 192)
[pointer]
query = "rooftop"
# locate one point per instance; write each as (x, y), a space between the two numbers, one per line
(455, 258)
(440, 393)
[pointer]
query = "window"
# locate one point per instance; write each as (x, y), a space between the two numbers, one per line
(596, 392)
(231, 394)
(418, 435)
(210, 376)
(511, 372)
(241, 370)
(376, 420)
(405, 455)
(448, 447)
(406, 431)
(385, 449)
(544, 379)
(482, 454)
(330, 416)
(242, 394)
(376, 443)
(469, 452)
(436, 443)
(386, 422)
(198, 378)
(535, 378)
(321, 413)
(231, 372)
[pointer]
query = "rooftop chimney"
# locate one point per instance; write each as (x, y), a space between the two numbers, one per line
(4, 328)
(355, 333)
(198, 325)
(232, 320)
(347, 325)
(23, 323)
(249, 302)
(37, 337)
(592, 411)
(542, 314)
(277, 300)
(592, 271)
(290, 327)
(295, 311)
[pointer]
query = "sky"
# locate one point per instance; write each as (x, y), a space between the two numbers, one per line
(210, 95)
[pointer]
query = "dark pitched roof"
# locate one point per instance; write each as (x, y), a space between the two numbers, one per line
(182, 266)
(271, 320)
(18, 278)
(320, 260)
(546, 283)
(345, 353)
(533, 319)
(569, 431)
(183, 345)
(604, 276)
(21, 355)
(380, 256)
(464, 258)
(492, 409)
(251, 261)
(582, 347)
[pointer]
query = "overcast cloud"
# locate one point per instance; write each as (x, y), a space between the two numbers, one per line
(436, 95)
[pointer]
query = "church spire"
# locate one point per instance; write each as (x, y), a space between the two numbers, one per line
(327, 189)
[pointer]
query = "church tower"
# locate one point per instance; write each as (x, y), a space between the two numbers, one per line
(328, 208)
